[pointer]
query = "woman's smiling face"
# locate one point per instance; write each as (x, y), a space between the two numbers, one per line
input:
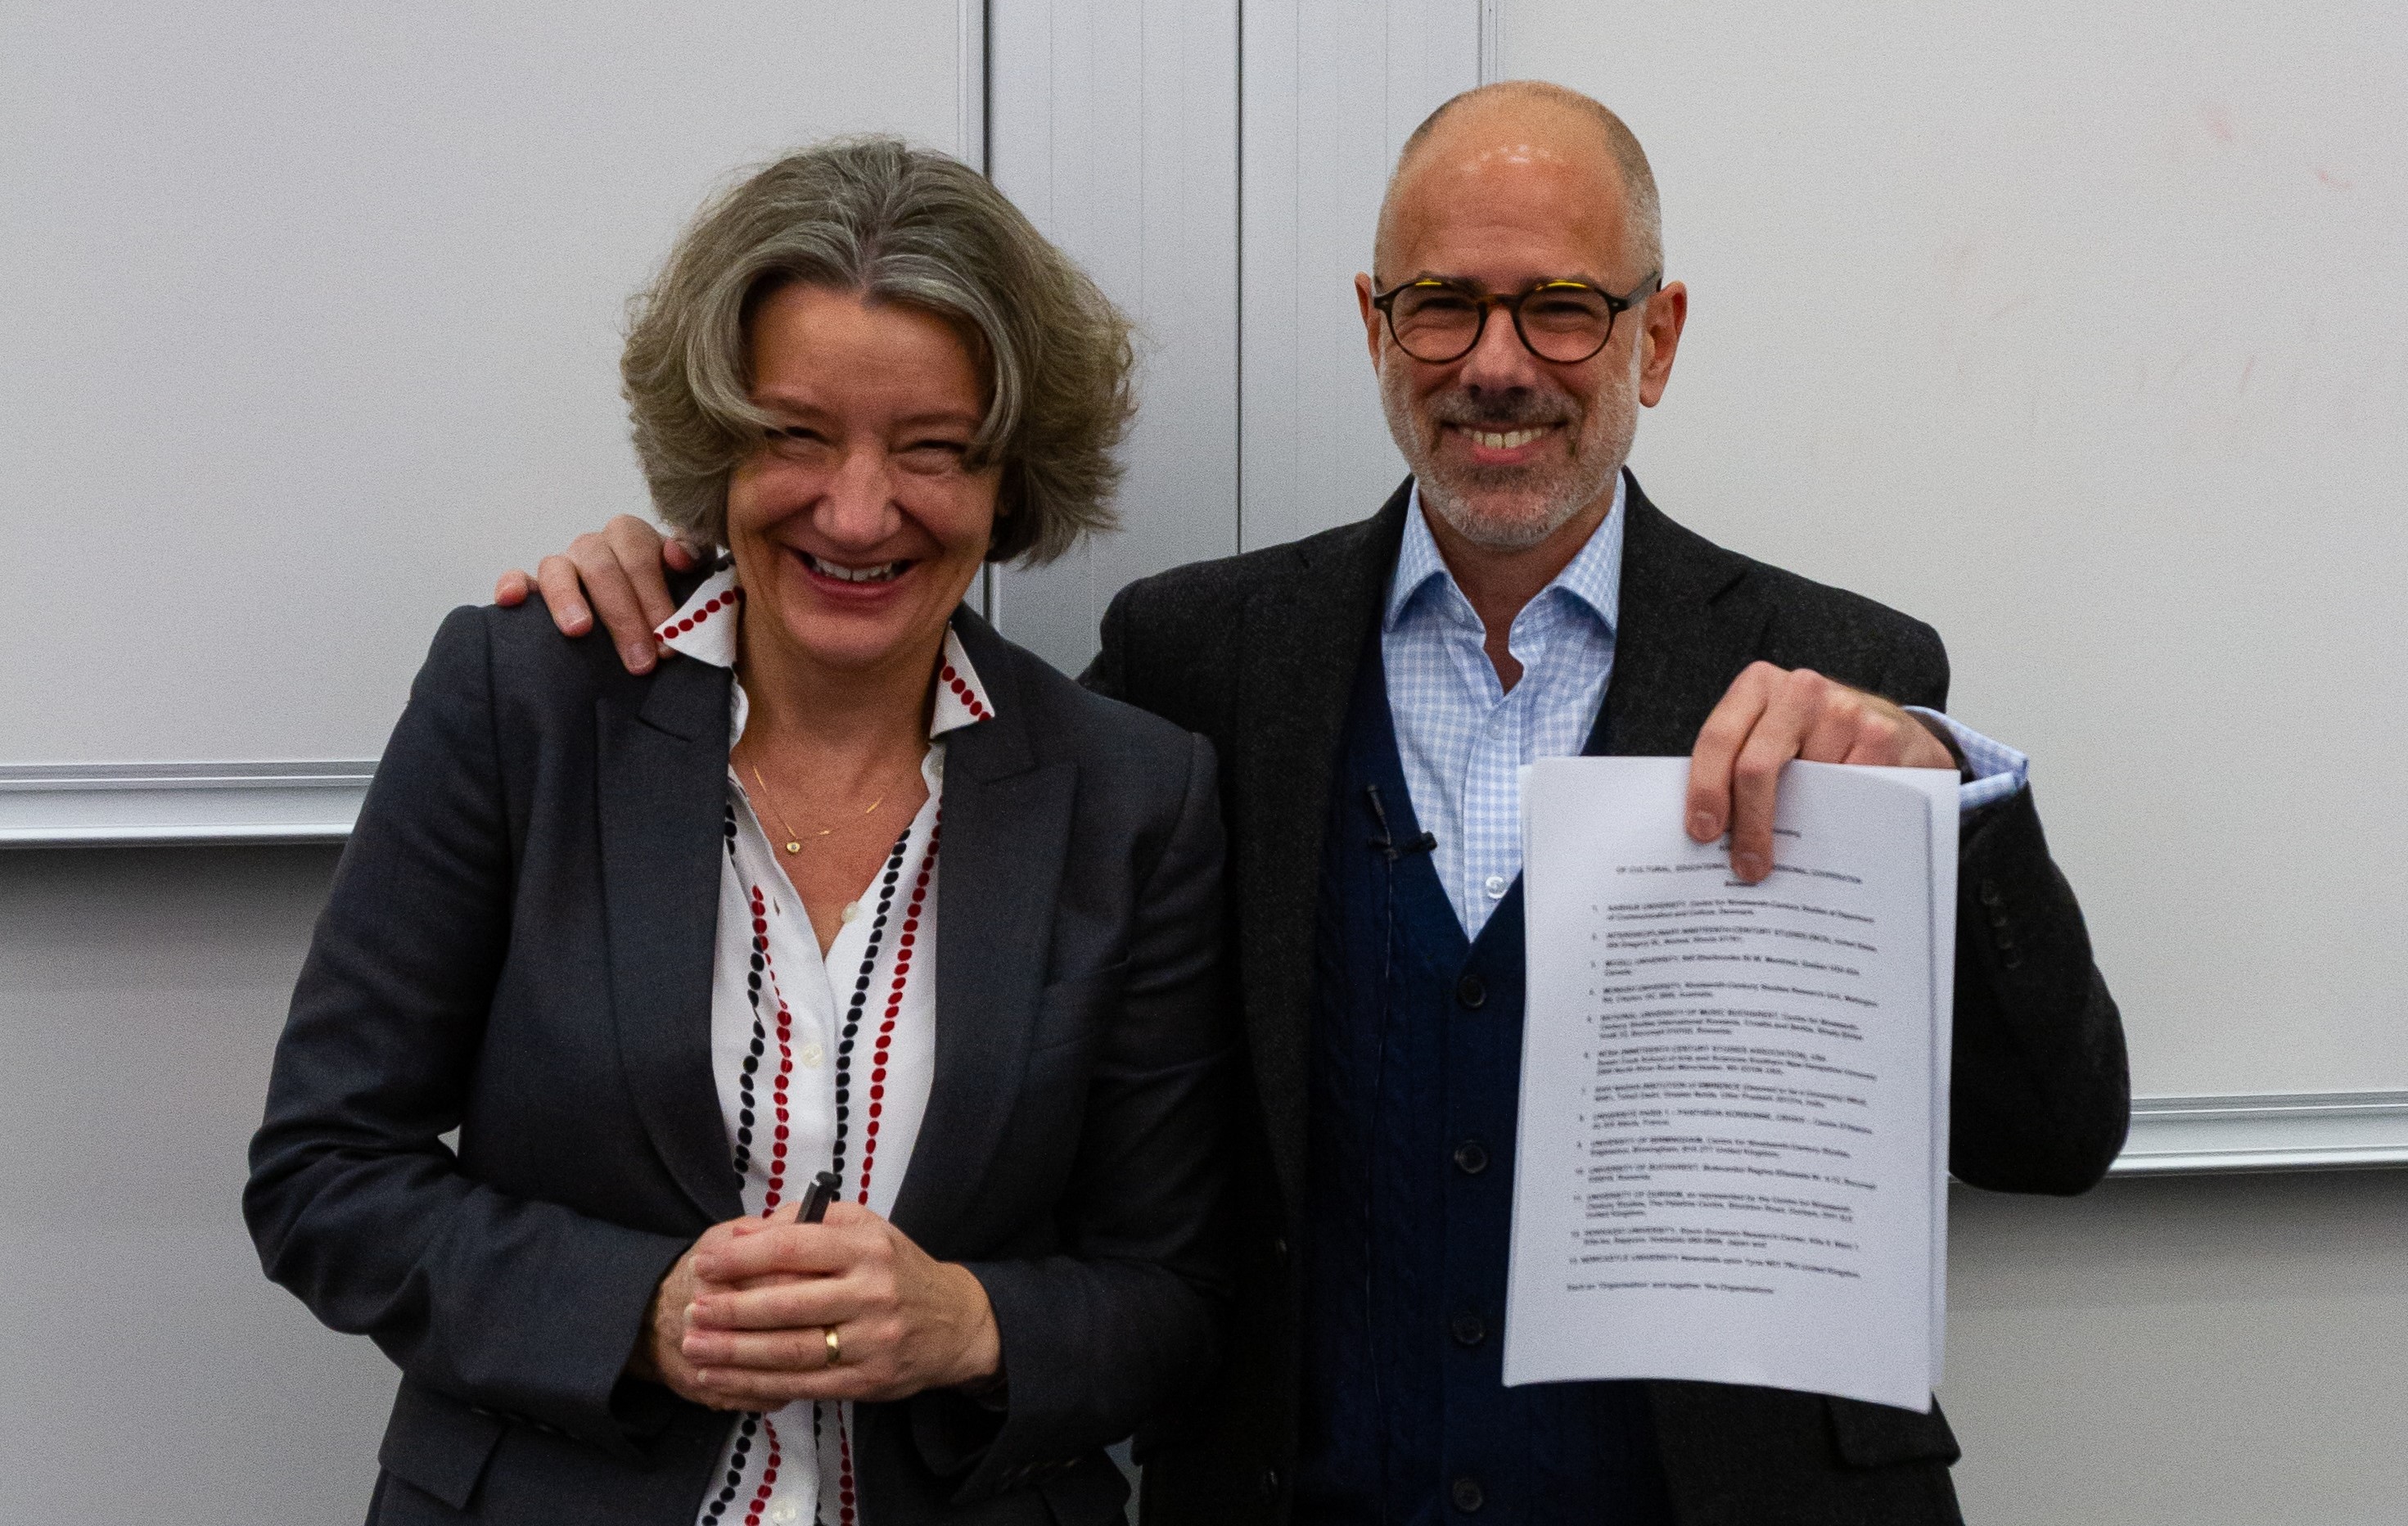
(857, 526)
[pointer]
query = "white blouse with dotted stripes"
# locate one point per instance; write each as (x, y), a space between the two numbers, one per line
(823, 1062)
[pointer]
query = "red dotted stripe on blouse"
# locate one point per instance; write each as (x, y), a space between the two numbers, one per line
(779, 1131)
(905, 944)
(843, 1473)
(768, 1477)
(963, 692)
(684, 623)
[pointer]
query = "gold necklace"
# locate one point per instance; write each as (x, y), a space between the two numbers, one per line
(794, 842)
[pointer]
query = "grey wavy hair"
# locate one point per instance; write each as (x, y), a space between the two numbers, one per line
(877, 216)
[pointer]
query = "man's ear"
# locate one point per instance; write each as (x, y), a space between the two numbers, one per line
(1371, 321)
(1667, 314)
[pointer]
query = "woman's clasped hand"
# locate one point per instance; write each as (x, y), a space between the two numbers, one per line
(743, 1321)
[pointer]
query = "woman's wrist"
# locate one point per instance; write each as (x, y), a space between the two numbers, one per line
(979, 1365)
(664, 1323)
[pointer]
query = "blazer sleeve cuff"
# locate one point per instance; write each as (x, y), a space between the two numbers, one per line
(587, 1322)
(1036, 1434)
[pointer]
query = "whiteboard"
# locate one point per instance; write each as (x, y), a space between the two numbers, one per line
(314, 316)
(2081, 331)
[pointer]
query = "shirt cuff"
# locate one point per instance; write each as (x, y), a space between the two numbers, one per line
(1999, 770)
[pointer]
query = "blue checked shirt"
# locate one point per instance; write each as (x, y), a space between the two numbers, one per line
(1464, 739)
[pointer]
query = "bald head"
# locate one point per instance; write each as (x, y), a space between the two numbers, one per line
(1522, 117)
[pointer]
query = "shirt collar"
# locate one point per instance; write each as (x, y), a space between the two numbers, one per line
(704, 628)
(1593, 578)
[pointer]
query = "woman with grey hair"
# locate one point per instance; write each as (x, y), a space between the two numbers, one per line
(832, 1020)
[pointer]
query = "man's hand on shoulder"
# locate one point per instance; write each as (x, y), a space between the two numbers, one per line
(1770, 715)
(621, 571)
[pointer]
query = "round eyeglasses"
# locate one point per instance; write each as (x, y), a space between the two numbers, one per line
(1439, 322)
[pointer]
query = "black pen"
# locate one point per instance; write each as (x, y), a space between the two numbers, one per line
(825, 1186)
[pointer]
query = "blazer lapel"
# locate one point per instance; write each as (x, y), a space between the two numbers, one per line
(1690, 620)
(1007, 832)
(1304, 639)
(663, 792)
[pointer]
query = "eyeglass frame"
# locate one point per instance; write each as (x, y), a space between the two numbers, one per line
(1488, 301)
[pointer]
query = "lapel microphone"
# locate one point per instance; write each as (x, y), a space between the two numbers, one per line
(1386, 843)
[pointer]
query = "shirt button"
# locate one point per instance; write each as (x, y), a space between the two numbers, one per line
(851, 911)
(811, 1056)
(1494, 885)
(1467, 1496)
(1470, 1158)
(1497, 728)
(1467, 1328)
(784, 1512)
(1471, 992)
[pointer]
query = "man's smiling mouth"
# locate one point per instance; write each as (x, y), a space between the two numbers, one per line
(1507, 440)
(876, 572)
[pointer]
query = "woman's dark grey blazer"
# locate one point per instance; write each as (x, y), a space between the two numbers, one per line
(518, 944)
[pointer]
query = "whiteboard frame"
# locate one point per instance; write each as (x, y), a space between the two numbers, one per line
(179, 804)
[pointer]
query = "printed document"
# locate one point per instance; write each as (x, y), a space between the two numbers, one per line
(1731, 1162)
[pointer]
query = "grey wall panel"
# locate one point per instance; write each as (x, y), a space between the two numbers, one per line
(2204, 1352)
(1331, 92)
(1114, 126)
(147, 1370)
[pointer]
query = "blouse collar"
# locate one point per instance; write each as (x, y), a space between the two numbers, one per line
(704, 628)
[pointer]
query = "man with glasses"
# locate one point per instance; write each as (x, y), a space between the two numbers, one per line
(1372, 692)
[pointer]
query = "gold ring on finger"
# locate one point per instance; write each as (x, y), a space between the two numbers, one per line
(836, 1348)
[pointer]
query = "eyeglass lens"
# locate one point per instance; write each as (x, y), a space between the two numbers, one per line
(1563, 325)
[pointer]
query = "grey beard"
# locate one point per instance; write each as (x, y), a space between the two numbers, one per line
(1609, 421)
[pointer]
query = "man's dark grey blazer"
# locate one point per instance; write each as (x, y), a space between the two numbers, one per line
(520, 944)
(1260, 652)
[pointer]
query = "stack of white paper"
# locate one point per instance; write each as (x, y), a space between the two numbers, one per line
(1732, 1160)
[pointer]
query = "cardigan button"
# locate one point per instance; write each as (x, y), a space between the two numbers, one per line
(1470, 1158)
(1471, 992)
(1467, 1495)
(1467, 1328)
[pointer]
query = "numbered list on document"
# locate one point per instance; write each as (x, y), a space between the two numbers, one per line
(1726, 1167)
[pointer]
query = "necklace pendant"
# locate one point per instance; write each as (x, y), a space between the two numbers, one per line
(793, 847)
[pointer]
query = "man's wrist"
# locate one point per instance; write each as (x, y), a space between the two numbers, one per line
(1946, 738)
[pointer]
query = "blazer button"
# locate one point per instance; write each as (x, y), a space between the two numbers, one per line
(1470, 1158)
(1471, 992)
(1278, 1250)
(1990, 895)
(1467, 1496)
(1468, 1329)
(1271, 1483)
